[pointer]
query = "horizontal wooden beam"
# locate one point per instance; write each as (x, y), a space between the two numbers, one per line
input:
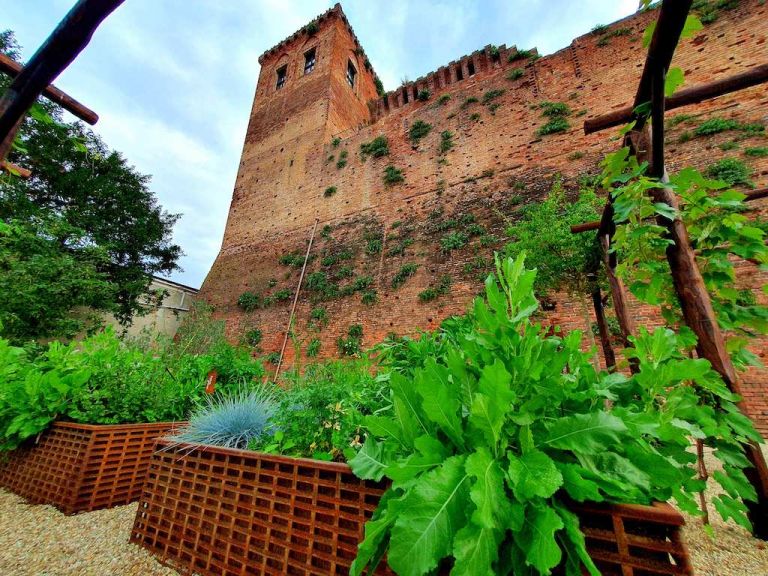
(751, 196)
(13, 68)
(14, 169)
(752, 77)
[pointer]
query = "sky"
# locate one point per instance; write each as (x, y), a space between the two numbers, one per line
(173, 80)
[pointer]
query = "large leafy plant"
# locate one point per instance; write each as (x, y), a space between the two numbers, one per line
(490, 439)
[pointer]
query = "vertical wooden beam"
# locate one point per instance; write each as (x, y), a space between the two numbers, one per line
(602, 326)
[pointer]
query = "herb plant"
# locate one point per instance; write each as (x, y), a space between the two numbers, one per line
(492, 435)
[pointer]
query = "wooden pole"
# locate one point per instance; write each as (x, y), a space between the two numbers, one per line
(13, 69)
(68, 39)
(602, 327)
(296, 299)
(752, 77)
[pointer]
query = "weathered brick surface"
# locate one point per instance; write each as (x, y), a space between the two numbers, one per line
(497, 164)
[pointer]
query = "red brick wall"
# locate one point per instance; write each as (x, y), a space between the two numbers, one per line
(498, 163)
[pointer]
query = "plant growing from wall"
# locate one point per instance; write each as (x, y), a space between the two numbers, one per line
(379, 87)
(293, 259)
(369, 297)
(453, 241)
(446, 141)
(253, 337)
(342, 161)
(376, 148)
(732, 171)
(501, 424)
(403, 274)
(313, 348)
(716, 125)
(556, 114)
(491, 95)
(444, 99)
(423, 95)
(442, 288)
(418, 130)
(393, 176)
(318, 317)
(351, 345)
(756, 152)
(474, 117)
(709, 10)
(515, 73)
(330, 191)
(250, 301)
(282, 295)
(522, 55)
(335, 141)
(469, 101)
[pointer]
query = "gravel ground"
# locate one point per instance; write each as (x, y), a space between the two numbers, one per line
(40, 541)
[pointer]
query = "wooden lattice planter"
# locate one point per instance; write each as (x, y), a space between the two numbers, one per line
(221, 512)
(82, 467)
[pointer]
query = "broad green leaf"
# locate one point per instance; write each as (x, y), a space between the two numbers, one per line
(431, 452)
(533, 474)
(648, 34)
(537, 539)
(476, 549)
(431, 515)
(692, 25)
(370, 462)
(734, 509)
(374, 544)
(574, 534)
(488, 418)
(384, 427)
(591, 433)
(440, 400)
(578, 483)
(492, 505)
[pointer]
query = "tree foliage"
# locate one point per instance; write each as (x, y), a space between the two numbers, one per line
(85, 212)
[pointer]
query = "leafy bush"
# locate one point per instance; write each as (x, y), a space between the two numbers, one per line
(379, 87)
(318, 317)
(446, 141)
(230, 420)
(453, 241)
(292, 259)
(756, 152)
(253, 336)
(342, 161)
(423, 95)
(443, 100)
(282, 295)
(393, 175)
(351, 345)
(335, 142)
(554, 126)
(402, 275)
(492, 95)
(474, 117)
(434, 292)
(716, 125)
(731, 171)
(312, 28)
(373, 246)
(501, 425)
(249, 301)
(313, 348)
(369, 297)
(419, 130)
(320, 410)
(520, 55)
(469, 101)
(515, 73)
(377, 148)
(330, 191)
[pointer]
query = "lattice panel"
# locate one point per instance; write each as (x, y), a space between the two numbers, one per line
(79, 467)
(631, 540)
(218, 512)
(214, 511)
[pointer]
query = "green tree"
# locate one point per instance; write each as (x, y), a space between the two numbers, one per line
(86, 210)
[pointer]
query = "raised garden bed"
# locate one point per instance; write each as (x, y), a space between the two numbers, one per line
(223, 512)
(82, 467)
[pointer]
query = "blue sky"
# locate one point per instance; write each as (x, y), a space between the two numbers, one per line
(173, 80)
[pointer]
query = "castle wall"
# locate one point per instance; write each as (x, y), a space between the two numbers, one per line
(496, 166)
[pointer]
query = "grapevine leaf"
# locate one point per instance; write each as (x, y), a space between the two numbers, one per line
(533, 474)
(729, 507)
(432, 513)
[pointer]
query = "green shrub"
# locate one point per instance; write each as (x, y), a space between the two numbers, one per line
(342, 159)
(313, 348)
(292, 259)
(469, 101)
(373, 246)
(316, 281)
(678, 119)
(312, 28)
(326, 231)
(335, 142)
(419, 130)
(715, 126)
(443, 100)
(731, 171)
(402, 275)
(253, 337)
(554, 109)
(377, 148)
(492, 95)
(351, 345)
(474, 117)
(369, 297)
(330, 191)
(756, 152)
(515, 73)
(399, 248)
(362, 282)
(709, 10)
(453, 241)
(249, 301)
(423, 95)
(521, 55)
(282, 295)
(726, 146)
(318, 317)
(434, 292)
(379, 87)
(345, 272)
(272, 358)
(446, 141)
(554, 126)
(393, 175)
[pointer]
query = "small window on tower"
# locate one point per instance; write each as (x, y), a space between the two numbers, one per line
(351, 73)
(309, 61)
(471, 68)
(282, 72)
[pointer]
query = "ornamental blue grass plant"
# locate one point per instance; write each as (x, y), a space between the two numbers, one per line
(494, 434)
(231, 420)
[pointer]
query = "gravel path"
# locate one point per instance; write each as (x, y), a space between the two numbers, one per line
(40, 541)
